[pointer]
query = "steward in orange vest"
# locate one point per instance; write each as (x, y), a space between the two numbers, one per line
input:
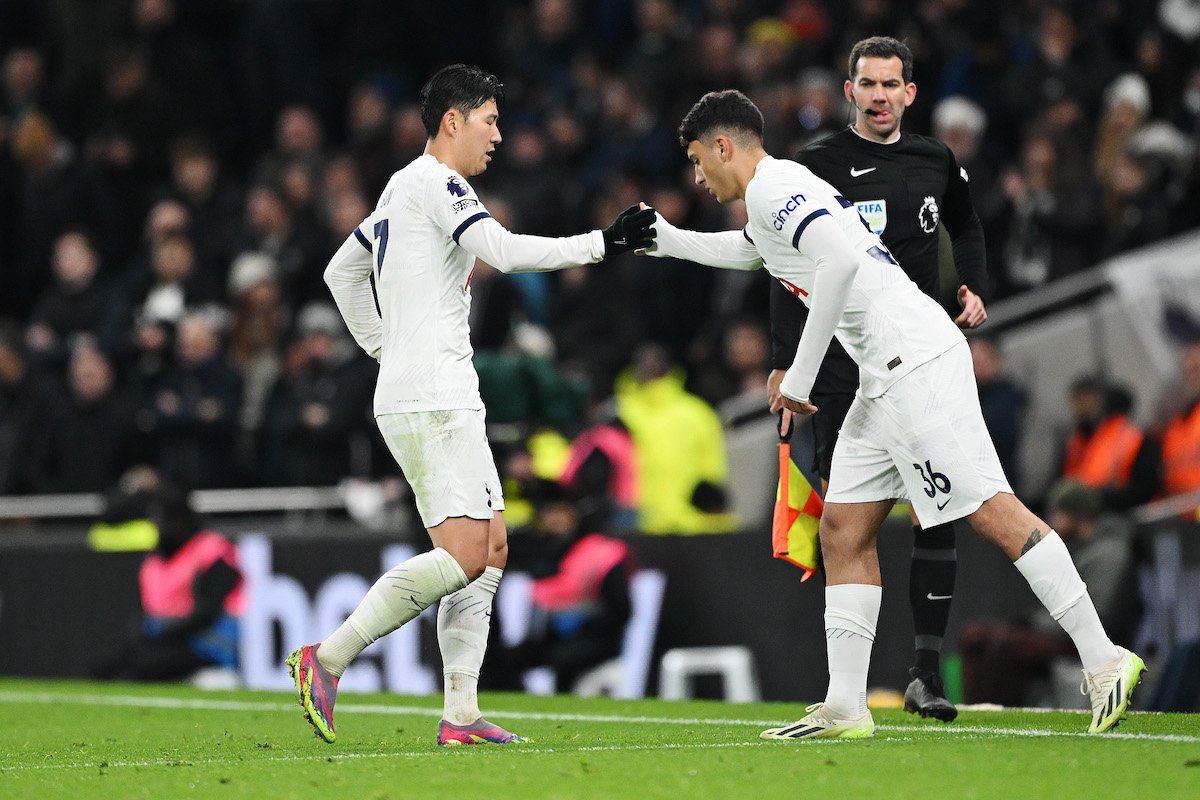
(1181, 452)
(1108, 450)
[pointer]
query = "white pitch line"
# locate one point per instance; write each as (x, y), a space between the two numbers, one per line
(365, 708)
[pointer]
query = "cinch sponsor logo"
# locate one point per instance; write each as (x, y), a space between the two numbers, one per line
(782, 214)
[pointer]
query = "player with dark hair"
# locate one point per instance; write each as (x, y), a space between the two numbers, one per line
(419, 246)
(904, 186)
(914, 431)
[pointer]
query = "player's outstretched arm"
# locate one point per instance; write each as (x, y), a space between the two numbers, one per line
(515, 252)
(722, 249)
(349, 279)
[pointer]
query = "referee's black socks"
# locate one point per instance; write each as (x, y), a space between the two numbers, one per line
(930, 590)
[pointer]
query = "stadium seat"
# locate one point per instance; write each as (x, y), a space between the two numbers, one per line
(734, 664)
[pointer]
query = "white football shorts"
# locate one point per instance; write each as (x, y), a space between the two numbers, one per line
(446, 460)
(923, 440)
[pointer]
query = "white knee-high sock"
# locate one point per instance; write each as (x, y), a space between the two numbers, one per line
(400, 594)
(1053, 577)
(464, 619)
(851, 612)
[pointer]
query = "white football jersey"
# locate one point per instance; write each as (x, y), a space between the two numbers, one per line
(420, 245)
(889, 326)
(422, 279)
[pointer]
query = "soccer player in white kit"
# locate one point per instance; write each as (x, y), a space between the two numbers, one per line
(914, 430)
(420, 245)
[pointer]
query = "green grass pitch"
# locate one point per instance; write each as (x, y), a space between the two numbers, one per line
(94, 740)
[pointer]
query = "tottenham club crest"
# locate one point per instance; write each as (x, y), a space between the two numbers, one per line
(929, 215)
(454, 186)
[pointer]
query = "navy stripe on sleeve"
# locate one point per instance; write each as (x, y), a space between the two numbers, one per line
(363, 240)
(746, 233)
(468, 223)
(804, 223)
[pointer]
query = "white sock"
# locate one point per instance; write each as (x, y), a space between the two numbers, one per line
(400, 594)
(1053, 577)
(851, 611)
(462, 627)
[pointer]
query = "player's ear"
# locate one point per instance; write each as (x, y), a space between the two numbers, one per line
(451, 121)
(724, 147)
(910, 94)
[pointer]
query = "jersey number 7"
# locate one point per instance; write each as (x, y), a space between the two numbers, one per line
(381, 233)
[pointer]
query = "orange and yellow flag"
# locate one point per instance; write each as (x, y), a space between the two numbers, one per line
(797, 517)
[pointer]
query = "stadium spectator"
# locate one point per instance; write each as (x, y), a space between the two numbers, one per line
(369, 136)
(299, 137)
(314, 414)
(195, 406)
(159, 296)
(22, 83)
(270, 226)
(1051, 217)
(76, 304)
(211, 198)
(132, 123)
(1107, 450)
(680, 448)
(260, 321)
(55, 190)
(1061, 71)
(89, 437)
(738, 362)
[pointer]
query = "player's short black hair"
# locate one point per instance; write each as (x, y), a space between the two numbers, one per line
(882, 47)
(729, 111)
(459, 86)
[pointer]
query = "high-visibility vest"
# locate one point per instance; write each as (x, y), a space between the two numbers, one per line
(168, 584)
(617, 444)
(1181, 453)
(1106, 457)
(580, 573)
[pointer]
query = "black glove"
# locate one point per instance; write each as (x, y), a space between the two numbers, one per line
(629, 231)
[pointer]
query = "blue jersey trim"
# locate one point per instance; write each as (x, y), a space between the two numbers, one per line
(746, 233)
(468, 223)
(363, 240)
(804, 223)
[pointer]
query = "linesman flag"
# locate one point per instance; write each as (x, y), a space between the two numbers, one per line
(798, 507)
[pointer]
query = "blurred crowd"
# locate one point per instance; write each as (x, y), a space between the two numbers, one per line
(174, 175)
